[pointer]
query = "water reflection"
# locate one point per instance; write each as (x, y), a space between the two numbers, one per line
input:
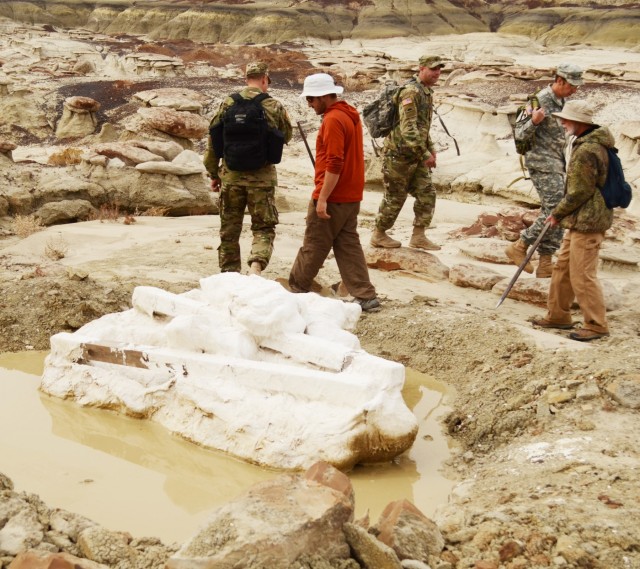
(134, 475)
(196, 478)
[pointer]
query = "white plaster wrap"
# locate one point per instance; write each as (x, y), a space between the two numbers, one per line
(243, 366)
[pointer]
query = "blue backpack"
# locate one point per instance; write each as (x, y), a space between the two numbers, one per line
(616, 190)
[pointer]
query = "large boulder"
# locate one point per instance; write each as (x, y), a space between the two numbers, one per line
(177, 123)
(274, 524)
(412, 535)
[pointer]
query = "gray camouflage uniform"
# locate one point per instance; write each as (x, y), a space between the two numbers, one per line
(253, 189)
(405, 150)
(546, 164)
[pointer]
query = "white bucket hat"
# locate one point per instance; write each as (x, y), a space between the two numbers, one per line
(578, 111)
(320, 84)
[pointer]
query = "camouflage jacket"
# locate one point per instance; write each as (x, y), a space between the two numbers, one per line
(582, 208)
(264, 177)
(410, 137)
(549, 141)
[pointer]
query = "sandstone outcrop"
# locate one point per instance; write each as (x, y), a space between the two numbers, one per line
(177, 123)
(276, 21)
(78, 117)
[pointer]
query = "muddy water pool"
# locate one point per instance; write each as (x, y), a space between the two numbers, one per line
(133, 475)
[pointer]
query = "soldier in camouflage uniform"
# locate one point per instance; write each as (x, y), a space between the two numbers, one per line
(583, 213)
(546, 164)
(254, 189)
(408, 158)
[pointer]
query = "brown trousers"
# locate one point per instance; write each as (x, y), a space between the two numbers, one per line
(575, 276)
(340, 233)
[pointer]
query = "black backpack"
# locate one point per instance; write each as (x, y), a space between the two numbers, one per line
(243, 136)
(616, 190)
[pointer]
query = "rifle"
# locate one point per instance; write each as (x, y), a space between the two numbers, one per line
(306, 143)
(530, 253)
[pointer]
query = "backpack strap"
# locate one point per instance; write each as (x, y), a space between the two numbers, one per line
(261, 97)
(238, 98)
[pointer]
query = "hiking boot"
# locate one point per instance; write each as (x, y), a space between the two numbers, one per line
(545, 323)
(586, 335)
(368, 304)
(545, 267)
(255, 268)
(420, 241)
(517, 252)
(380, 239)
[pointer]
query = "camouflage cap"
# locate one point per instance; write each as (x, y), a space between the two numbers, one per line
(257, 68)
(571, 72)
(431, 61)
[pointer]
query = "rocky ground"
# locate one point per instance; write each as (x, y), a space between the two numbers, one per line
(546, 457)
(547, 460)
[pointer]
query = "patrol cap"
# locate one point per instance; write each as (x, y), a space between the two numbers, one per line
(431, 61)
(257, 68)
(571, 72)
(576, 110)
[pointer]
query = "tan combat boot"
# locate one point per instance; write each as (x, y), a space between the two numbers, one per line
(517, 252)
(545, 267)
(380, 239)
(255, 268)
(420, 241)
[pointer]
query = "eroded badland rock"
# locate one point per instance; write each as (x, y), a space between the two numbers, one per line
(274, 22)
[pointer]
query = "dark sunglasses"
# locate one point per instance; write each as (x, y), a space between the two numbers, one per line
(311, 99)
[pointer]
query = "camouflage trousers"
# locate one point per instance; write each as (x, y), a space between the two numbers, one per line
(550, 188)
(401, 178)
(264, 218)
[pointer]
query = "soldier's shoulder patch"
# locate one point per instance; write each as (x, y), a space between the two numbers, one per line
(407, 101)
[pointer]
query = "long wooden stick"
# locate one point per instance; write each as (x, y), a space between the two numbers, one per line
(304, 137)
(532, 250)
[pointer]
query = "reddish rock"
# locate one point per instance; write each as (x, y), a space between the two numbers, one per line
(404, 258)
(488, 219)
(405, 529)
(510, 550)
(182, 124)
(325, 474)
(6, 146)
(43, 560)
(82, 104)
(486, 564)
(540, 560)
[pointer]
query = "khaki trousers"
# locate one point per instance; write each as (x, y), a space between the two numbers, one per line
(340, 233)
(575, 276)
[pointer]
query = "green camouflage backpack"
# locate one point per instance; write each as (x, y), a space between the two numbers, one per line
(381, 115)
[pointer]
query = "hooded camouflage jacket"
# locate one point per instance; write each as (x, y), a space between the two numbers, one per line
(582, 208)
(410, 138)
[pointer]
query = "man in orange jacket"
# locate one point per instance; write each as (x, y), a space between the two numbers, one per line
(332, 216)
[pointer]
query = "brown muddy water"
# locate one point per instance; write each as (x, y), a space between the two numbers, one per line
(133, 475)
